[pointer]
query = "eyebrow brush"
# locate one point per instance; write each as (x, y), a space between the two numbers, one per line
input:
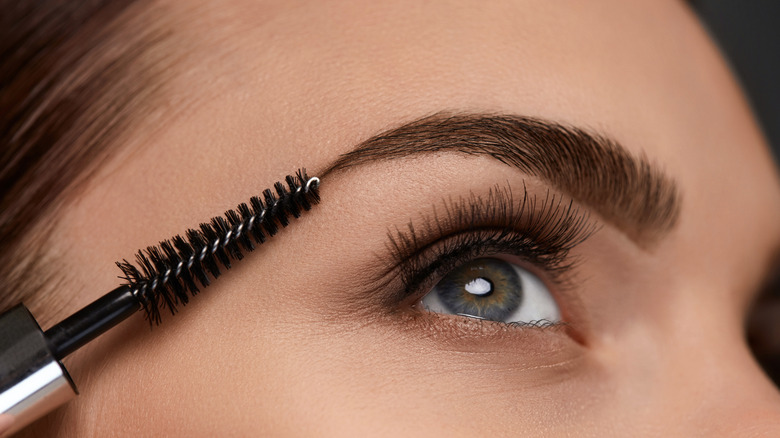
(33, 381)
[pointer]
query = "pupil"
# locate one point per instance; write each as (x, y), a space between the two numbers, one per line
(480, 286)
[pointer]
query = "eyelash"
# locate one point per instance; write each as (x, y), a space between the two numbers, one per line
(541, 231)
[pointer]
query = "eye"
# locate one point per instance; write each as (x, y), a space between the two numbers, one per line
(494, 289)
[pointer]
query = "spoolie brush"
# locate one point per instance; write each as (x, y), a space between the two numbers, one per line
(33, 381)
(170, 273)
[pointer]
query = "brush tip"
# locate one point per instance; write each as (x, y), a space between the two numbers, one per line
(167, 275)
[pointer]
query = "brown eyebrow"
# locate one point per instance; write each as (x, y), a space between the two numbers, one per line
(627, 191)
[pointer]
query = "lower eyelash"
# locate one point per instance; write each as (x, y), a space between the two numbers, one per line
(472, 334)
(541, 231)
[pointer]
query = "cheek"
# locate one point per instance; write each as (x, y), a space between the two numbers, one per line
(353, 379)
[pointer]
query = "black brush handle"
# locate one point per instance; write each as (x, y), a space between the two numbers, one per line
(92, 321)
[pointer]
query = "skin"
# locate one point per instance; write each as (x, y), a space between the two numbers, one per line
(297, 340)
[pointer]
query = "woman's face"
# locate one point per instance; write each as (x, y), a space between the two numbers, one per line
(320, 332)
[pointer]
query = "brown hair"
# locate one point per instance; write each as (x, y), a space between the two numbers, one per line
(74, 76)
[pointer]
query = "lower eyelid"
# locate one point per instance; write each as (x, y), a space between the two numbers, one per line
(454, 332)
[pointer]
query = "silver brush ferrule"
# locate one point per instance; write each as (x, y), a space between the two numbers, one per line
(32, 381)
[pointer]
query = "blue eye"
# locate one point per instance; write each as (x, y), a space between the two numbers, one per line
(494, 289)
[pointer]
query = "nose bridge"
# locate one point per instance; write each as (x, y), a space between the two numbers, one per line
(735, 396)
(714, 386)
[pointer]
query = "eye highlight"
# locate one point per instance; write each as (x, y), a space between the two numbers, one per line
(493, 289)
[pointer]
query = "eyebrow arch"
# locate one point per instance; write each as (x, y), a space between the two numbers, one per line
(629, 192)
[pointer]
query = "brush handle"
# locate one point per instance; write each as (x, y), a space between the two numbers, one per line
(92, 321)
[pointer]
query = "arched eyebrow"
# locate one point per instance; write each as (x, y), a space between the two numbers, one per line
(630, 192)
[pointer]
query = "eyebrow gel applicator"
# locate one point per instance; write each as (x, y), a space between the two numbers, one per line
(34, 382)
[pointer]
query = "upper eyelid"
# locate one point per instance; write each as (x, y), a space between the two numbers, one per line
(497, 208)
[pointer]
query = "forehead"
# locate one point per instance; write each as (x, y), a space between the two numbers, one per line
(642, 71)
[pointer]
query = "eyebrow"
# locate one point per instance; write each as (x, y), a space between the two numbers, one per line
(628, 191)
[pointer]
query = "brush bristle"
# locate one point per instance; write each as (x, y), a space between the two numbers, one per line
(168, 274)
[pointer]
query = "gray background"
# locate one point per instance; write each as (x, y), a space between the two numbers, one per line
(748, 31)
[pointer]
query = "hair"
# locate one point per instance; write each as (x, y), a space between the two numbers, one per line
(74, 78)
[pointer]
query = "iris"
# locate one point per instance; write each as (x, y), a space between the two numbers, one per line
(488, 288)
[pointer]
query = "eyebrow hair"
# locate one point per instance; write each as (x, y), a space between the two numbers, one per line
(627, 191)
